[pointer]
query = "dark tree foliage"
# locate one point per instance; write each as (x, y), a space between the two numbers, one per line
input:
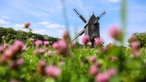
(11, 34)
(141, 38)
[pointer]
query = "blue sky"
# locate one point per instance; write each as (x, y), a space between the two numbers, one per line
(46, 16)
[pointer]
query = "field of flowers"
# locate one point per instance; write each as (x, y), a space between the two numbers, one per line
(65, 61)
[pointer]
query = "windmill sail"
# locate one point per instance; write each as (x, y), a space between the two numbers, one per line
(101, 14)
(82, 18)
(98, 17)
(81, 32)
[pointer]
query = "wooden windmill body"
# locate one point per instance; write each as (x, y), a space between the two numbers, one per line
(91, 28)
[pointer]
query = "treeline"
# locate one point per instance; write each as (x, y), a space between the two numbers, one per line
(10, 34)
(141, 38)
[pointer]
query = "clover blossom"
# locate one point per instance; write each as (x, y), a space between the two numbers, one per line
(52, 71)
(46, 43)
(93, 70)
(41, 68)
(27, 25)
(85, 39)
(115, 32)
(98, 42)
(38, 43)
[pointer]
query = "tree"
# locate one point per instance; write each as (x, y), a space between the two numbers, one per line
(141, 38)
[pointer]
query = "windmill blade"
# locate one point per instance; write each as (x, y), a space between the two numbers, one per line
(98, 17)
(82, 31)
(82, 18)
(101, 14)
(79, 34)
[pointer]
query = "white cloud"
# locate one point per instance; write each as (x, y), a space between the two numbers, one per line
(54, 33)
(44, 23)
(114, 1)
(18, 25)
(51, 25)
(61, 31)
(5, 17)
(55, 26)
(4, 22)
(40, 31)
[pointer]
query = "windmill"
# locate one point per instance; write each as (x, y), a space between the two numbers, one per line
(91, 27)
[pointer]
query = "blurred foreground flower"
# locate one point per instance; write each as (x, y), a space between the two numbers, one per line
(111, 72)
(38, 43)
(93, 70)
(105, 76)
(62, 47)
(52, 71)
(85, 39)
(14, 80)
(135, 48)
(135, 45)
(98, 42)
(50, 53)
(27, 25)
(73, 43)
(41, 68)
(102, 77)
(20, 61)
(41, 50)
(113, 58)
(17, 63)
(31, 39)
(13, 50)
(35, 52)
(133, 38)
(46, 43)
(116, 33)
(3, 37)
(65, 35)
(1, 49)
(92, 59)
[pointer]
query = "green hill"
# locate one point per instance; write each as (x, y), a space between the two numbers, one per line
(11, 34)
